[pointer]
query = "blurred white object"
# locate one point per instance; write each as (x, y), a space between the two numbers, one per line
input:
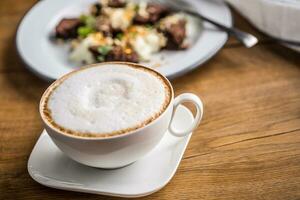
(277, 18)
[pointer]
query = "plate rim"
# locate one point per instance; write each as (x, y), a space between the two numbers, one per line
(17, 47)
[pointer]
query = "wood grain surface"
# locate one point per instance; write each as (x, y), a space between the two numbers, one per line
(247, 147)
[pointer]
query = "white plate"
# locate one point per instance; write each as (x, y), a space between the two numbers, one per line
(50, 167)
(49, 60)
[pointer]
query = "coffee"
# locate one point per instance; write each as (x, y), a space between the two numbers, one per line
(106, 100)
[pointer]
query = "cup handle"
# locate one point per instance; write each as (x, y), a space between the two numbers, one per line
(187, 97)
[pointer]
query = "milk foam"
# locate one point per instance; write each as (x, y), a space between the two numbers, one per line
(107, 99)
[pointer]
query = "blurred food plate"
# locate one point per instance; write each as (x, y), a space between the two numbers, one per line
(50, 61)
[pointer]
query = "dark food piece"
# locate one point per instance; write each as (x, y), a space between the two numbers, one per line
(67, 28)
(117, 3)
(117, 53)
(155, 12)
(96, 9)
(94, 51)
(176, 34)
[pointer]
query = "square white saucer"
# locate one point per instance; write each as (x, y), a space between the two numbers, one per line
(50, 167)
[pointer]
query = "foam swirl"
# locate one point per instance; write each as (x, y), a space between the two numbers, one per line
(107, 99)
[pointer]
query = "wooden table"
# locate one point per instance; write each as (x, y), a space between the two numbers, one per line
(247, 147)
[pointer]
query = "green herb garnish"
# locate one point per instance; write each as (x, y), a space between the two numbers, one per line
(149, 26)
(100, 58)
(82, 18)
(104, 50)
(120, 36)
(84, 31)
(88, 20)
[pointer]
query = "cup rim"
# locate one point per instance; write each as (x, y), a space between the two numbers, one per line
(116, 136)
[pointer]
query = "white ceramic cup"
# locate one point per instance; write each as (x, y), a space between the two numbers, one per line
(121, 150)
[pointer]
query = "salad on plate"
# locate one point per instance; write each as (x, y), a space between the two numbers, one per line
(120, 30)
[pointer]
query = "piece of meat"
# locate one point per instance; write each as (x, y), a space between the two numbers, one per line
(117, 3)
(176, 34)
(96, 9)
(117, 53)
(67, 28)
(154, 11)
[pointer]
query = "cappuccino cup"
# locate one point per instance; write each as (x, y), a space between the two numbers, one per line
(111, 114)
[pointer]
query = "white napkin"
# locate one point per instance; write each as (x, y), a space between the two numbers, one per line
(278, 18)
